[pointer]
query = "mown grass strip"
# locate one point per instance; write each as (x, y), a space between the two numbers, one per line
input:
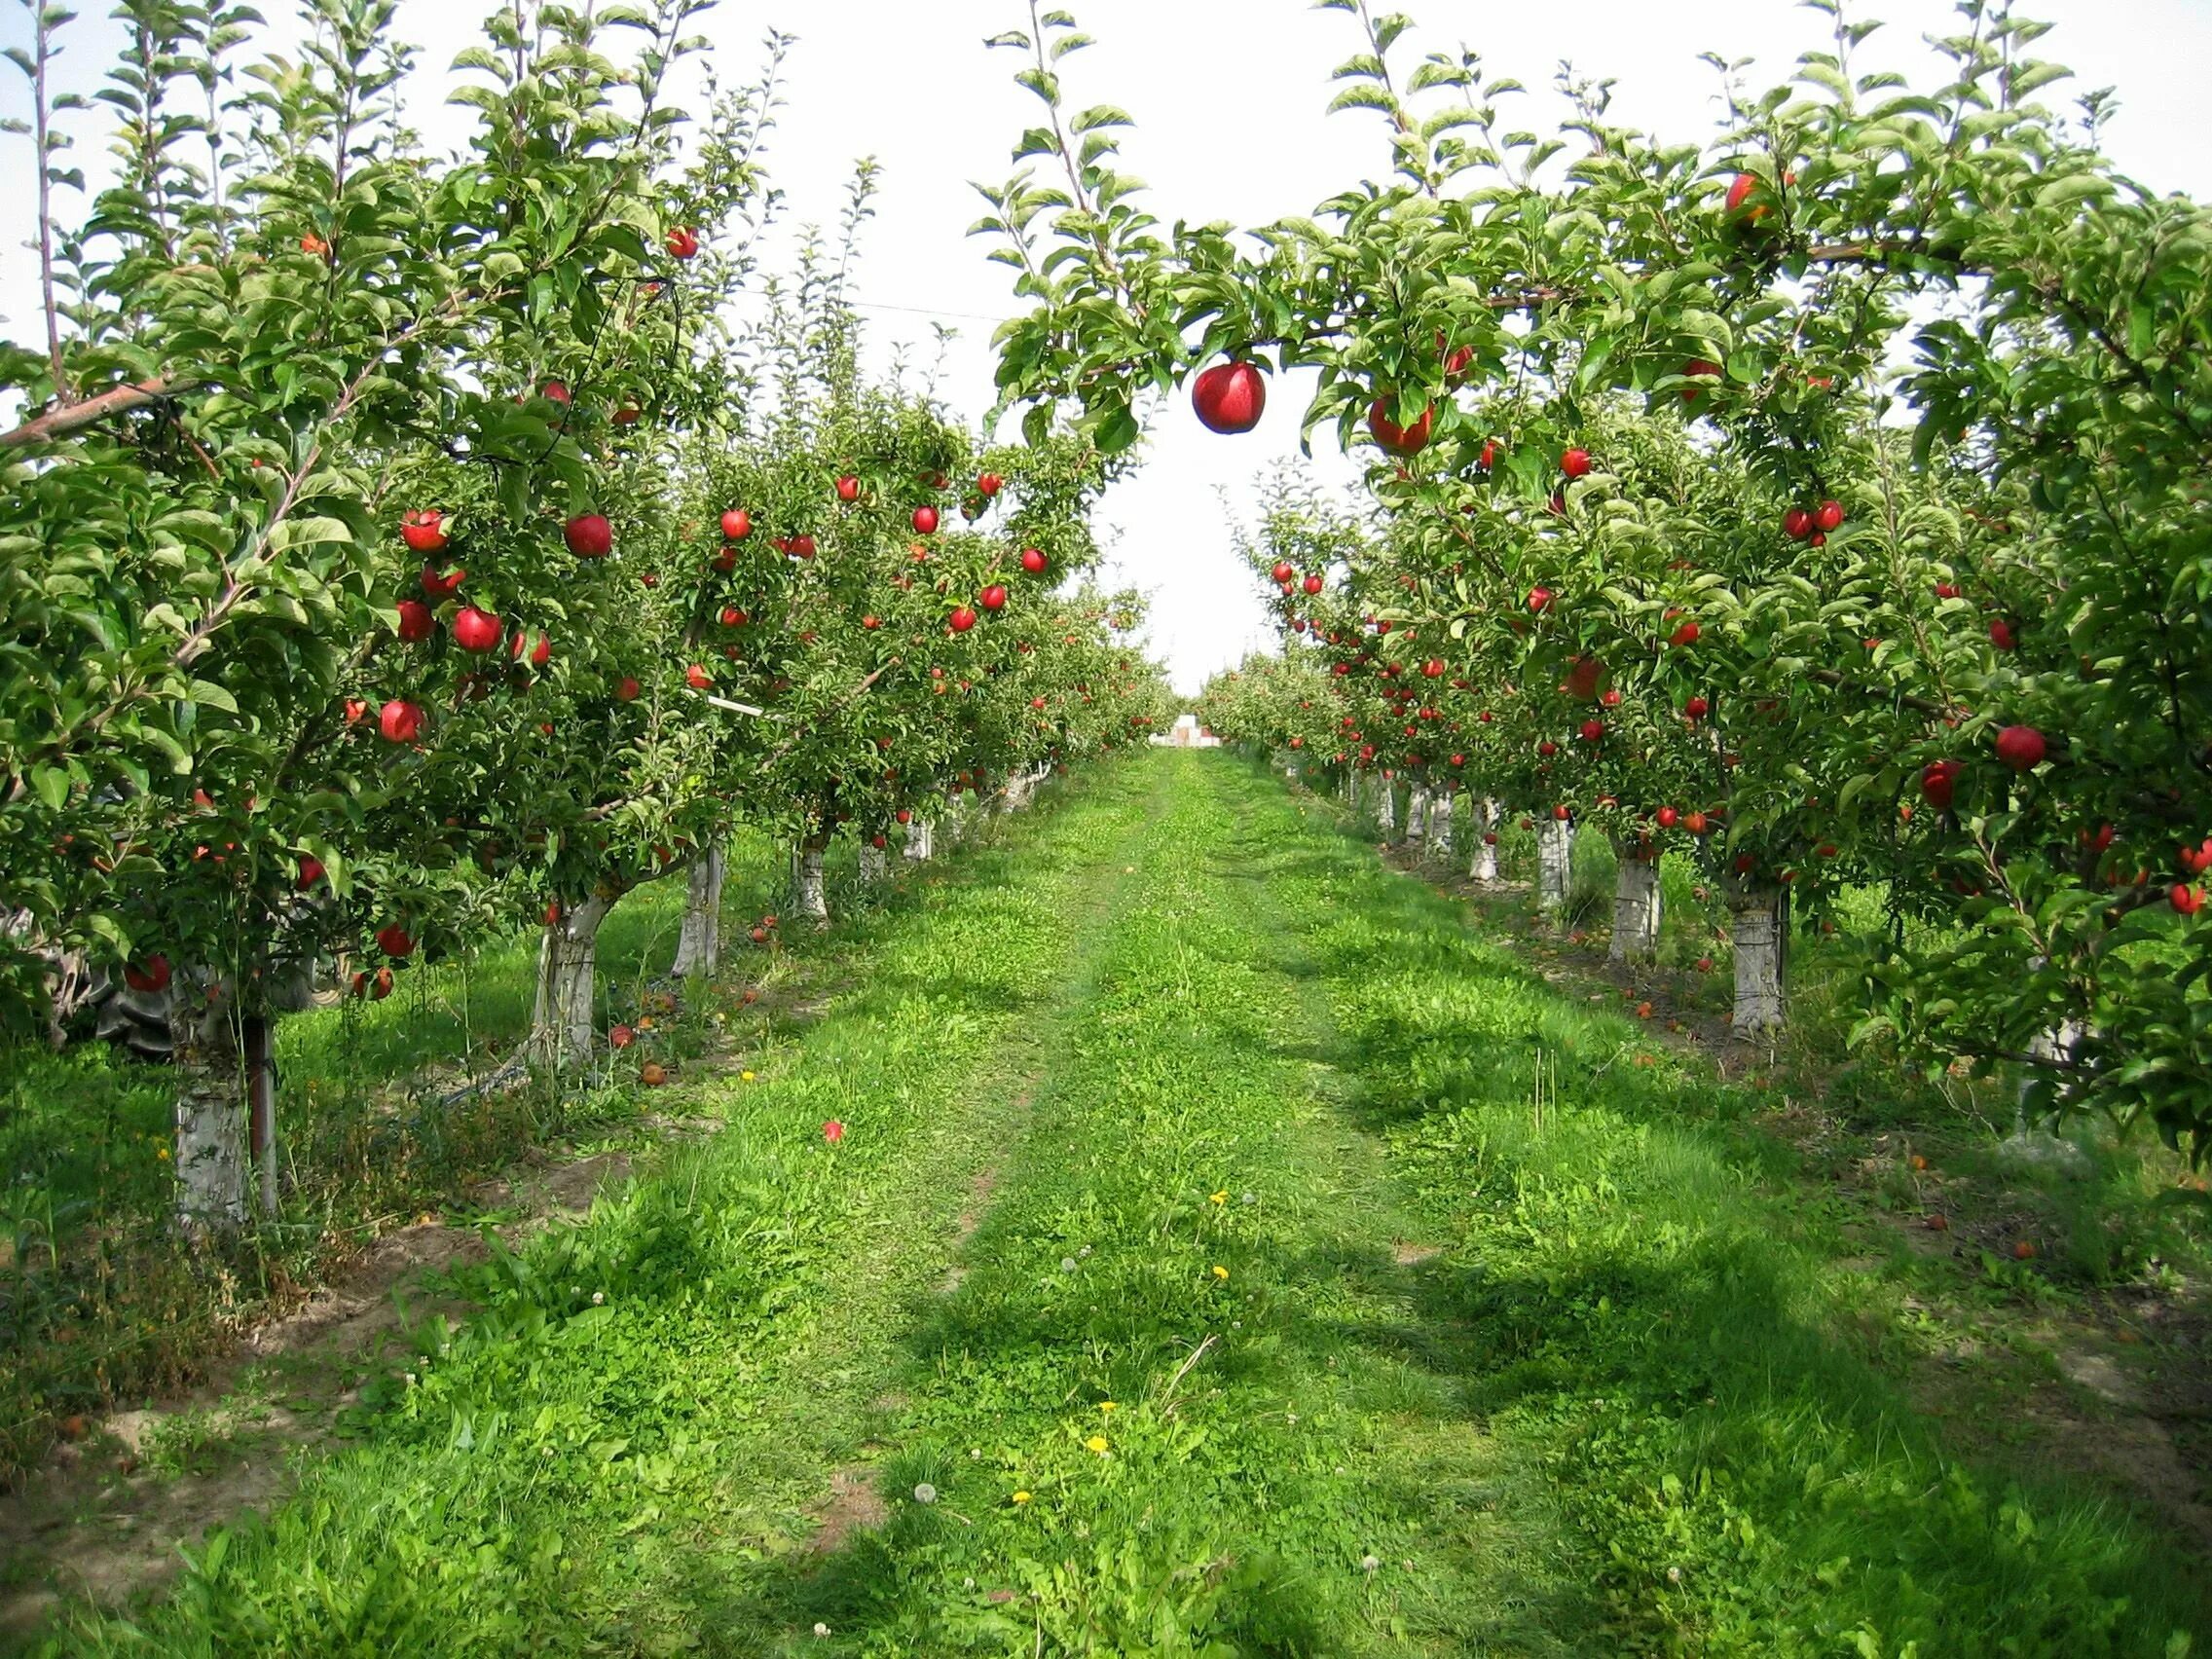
(657, 1393)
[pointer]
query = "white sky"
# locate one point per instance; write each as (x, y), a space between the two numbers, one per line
(1228, 96)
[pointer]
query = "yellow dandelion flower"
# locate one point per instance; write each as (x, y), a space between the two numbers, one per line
(1220, 1197)
(1096, 1443)
(1105, 1405)
(1021, 1497)
(161, 1152)
(1220, 1272)
(745, 1077)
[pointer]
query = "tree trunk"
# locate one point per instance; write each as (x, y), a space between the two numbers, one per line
(207, 1050)
(1352, 788)
(873, 864)
(1387, 807)
(919, 837)
(1484, 866)
(1417, 815)
(1759, 924)
(1440, 823)
(699, 943)
(564, 1023)
(1636, 906)
(1555, 862)
(810, 898)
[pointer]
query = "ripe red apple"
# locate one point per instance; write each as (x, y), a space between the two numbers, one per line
(2185, 898)
(1547, 748)
(627, 690)
(925, 521)
(1230, 398)
(697, 678)
(1797, 524)
(1611, 699)
(400, 720)
(414, 620)
(682, 243)
(395, 940)
(310, 871)
(1489, 456)
(540, 653)
(1285, 573)
(2021, 747)
(589, 535)
(1575, 463)
(1433, 667)
(1739, 192)
(1539, 597)
(1938, 778)
(904, 815)
(1694, 367)
(1946, 590)
(1697, 707)
(1668, 817)
(1397, 439)
(993, 598)
(1562, 812)
(962, 619)
(1827, 516)
(422, 529)
(1592, 730)
(554, 391)
(1688, 633)
(2001, 634)
(988, 485)
(442, 587)
(1696, 822)
(150, 976)
(475, 630)
(737, 524)
(1034, 561)
(848, 488)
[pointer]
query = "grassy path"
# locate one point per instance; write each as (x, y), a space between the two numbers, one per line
(1193, 1278)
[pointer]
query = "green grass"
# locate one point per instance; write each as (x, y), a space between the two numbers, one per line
(1196, 1275)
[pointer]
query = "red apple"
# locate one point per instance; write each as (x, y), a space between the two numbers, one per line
(1938, 778)
(2021, 747)
(310, 871)
(627, 690)
(1562, 812)
(1592, 730)
(442, 587)
(475, 630)
(1539, 597)
(2001, 634)
(682, 243)
(150, 976)
(1797, 524)
(1397, 439)
(2185, 898)
(1311, 584)
(737, 524)
(1686, 634)
(962, 619)
(1827, 516)
(540, 653)
(1697, 707)
(1285, 573)
(988, 485)
(395, 940)
(993, 598)
(589, 535)
(697, 678)
(925, 521)
(400, 720)
(848, 488)
(1230, 398)
(422, 529)
(1575, 463)
(414, 620)
(1033, 561)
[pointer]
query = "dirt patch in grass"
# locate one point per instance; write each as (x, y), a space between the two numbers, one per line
(853, 1505)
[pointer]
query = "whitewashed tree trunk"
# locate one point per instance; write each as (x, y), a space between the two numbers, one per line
(1636, 906)
(211, 1152)
(1759, 925)
(873, 864)
(1555, 862)
(1440, 824)
(810, 897)
(1417, 814)
(1352, 788)
(563, 1020)
(1484, 866)
(699, 943)
(1386, 806)
(919, 839)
